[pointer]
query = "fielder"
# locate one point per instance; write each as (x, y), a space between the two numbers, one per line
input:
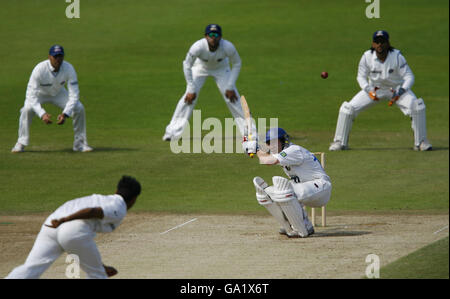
(383, 74)
(72, 229)
(46, 85)
(309, 185)
(209, 56)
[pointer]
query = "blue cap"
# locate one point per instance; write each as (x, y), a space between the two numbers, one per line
(277, 133)
(380, 33)
(56, 50)
(213, 28)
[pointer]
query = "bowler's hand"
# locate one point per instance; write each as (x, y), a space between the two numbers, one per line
(190, 97)
(61, 119)
(110, 271)
(46, 118)
(55, 223)
(231, 95)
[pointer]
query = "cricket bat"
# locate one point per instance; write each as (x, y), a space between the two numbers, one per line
(248, 119)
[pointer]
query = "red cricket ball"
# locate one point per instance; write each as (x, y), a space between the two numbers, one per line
(324, 75)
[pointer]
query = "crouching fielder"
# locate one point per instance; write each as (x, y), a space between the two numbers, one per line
(383, 74)
(308, 185)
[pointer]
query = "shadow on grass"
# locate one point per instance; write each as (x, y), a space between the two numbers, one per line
(394, 149)
(69, 150)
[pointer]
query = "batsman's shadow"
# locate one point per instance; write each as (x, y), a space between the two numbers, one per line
(338, 233)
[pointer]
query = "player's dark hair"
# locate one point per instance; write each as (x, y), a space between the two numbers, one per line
(128, 187)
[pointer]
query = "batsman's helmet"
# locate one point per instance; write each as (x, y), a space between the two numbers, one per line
(278, 133)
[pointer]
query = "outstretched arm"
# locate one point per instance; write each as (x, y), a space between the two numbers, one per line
(266, 158)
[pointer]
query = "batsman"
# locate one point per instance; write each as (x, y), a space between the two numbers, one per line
(308, 184)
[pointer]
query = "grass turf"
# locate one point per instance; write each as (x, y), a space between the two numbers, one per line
(429, 262)
(128, 58)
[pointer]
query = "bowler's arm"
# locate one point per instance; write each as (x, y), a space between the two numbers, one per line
(88, 213)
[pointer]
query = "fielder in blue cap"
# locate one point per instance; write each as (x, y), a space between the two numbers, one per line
(307, 183)
(47, 85)
(383, 75)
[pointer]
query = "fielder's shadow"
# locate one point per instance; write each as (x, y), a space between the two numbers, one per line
(393, 149)
(70, 150)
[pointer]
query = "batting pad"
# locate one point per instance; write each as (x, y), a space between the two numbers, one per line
(273, 208)
(281, 183)
(283, 194)
(419, 122)
(344, 123)
(294, 213)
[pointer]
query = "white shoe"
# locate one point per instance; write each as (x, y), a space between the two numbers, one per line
(84, 148)
(425, 145)
(337, 146)
(18, 148)
(167, 137)
(283, 231)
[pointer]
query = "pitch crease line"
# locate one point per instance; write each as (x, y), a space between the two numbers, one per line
(178, 226)
(441, 229)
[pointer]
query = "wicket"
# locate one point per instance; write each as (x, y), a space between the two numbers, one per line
(313, 210)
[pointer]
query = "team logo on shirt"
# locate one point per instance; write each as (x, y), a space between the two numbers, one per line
(283, 154)
(375, 72)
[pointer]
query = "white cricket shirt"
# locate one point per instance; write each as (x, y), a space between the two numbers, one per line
(199, 55)
(113, 206)
(299, 162)
(392, 73)
(44, 81)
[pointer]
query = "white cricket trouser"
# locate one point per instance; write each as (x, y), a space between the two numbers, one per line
(183, 111)
(406, 103)
(73, 237)
(60, 100)
(314, 193)
(361, 101)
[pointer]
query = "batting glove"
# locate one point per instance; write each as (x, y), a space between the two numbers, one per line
(249, 146)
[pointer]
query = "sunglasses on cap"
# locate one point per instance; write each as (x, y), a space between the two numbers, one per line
(380, 40)
(213, 34)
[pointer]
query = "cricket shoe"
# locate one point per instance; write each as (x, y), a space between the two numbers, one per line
(337, 146)
(423, 146)
(167, 137)
(295, 234)
(290, 234)
(18, 148)
(84, 148)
